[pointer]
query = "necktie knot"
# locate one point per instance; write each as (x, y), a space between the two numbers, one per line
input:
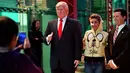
(115, 34)
(61, 20)
(117, 27)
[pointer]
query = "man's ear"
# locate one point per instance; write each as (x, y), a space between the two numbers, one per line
(15, 39)
(125, 18)
(13, 42)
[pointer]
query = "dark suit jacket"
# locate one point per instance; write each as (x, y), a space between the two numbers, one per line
(68, 48)
(120, 51)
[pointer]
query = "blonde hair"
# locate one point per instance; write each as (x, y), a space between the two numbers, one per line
(63, 4)
(98, 17)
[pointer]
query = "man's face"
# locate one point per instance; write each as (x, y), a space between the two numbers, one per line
(37, 25)
(118, 18)
(61, 11)
(94, 23)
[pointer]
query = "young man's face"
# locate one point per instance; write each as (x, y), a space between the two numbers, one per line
(118, 18)
(94, 23)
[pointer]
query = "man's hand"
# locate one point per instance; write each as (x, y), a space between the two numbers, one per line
(26, 44)
(76, 62)
(36, 39)
(112, 64)
(19, 46)
(50, 37)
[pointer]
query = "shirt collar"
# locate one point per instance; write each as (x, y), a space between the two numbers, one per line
(64, 19)
(121, 26)
(4, 49)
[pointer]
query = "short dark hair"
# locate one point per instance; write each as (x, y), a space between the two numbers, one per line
(8, 29)
(122, 11)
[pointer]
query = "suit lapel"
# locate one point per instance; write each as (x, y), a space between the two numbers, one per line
(120, 33)
(56, 27)
(118, 37)
(66, 25)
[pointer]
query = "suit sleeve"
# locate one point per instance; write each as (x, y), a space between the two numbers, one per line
(107, 48)
(32, 36)
(47, 32)
(41, 37)
(78, 41)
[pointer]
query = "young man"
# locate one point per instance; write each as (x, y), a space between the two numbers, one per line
(10, 60)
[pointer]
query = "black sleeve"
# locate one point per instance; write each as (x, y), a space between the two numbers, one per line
(47, 32)
(17, 50)
(31, 55)
(78, 41)
(108, 48)
(26, 65)
(41, 37)
(31, 36)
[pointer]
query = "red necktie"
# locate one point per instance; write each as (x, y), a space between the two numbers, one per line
(115, 34)
(60, 28)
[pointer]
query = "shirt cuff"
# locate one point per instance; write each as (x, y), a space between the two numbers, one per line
(47, 40)
(114, 63)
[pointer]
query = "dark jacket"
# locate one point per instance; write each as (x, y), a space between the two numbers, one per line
(14, 62)
(119, 51)
(36, 45)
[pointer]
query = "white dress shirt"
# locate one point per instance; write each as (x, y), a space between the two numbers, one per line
(120, 28)
(63, 22)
